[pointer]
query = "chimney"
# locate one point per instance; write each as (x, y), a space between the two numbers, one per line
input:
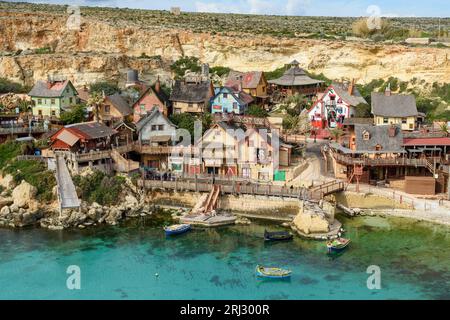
(351, 87)
(158, 85)
(387, 92)
(392, 131)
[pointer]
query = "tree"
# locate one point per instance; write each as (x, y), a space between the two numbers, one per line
(95, 101)
(297, 124)
(75, 115)
(103, 86)
(184, 121)
(184, 64)
(336, 133)
(295, 104)
(362, 110)
(444, 128)
(256, 111)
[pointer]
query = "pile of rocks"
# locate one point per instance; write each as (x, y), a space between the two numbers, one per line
(20, 209)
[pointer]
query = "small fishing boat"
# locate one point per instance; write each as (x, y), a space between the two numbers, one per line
(277, 236)
(177, 229)
(337, 245)
(273, 273)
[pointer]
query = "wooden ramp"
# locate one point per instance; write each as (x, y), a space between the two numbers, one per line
(67, 194)
(206, 205)
(327, 188)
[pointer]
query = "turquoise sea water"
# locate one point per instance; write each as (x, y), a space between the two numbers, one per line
(121, 262)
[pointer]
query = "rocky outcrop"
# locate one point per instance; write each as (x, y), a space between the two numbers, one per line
(100, 50)
(23, 194)
(7, 181)
(316, 220)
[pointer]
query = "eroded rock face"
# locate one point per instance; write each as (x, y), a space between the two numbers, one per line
(102, 50)
(7, 181)
(311, 219)
(23, 194)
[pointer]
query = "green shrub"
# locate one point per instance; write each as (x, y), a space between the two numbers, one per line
(10, 86)
(104, 86)
(99, 187)
(8, 151)
(75, 115)
(36, 174)
(184, 64)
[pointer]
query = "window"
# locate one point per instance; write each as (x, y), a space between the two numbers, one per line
(161, 127)
(52, 101)
(107, 109)
(39, 101)
(225, 95)
(53, 113)
(142, 106)
(246, 172)
(378, 147)
(385, 120)
(154, 127)
(404, 120)
(235, 105)
(70, 100)
(177, 111)
(190, 105)
(40, 112)
(366, 135)
(411, 126)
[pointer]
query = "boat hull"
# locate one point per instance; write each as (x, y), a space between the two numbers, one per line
(182, 229)
(277, 236)
(269, 273)
(338, 248)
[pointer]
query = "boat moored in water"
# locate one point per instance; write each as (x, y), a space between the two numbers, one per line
(272, 273)
(177, 229)
(277, 236)
(337, 245)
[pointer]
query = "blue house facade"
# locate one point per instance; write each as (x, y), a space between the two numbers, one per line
(228, 100)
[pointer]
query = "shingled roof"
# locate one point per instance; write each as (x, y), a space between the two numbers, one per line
(91, 130)
(398, 105)
(250, 80)
(155, 111)
(295, 76)
(353, 99)
(49, 89)
(190, 92)
(379, 135)
(120, 104)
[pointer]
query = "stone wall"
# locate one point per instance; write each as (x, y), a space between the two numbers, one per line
(367, 201)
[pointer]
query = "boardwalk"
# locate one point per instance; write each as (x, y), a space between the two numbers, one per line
(66, 189)
(239, 187)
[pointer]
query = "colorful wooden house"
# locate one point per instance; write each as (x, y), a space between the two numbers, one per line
(339, 102)
(295, 81)
(114, 109)
(394, 109)
(191, 97)
(228, 100)
(154, 131)
(150, 98)
(253, 83)
(50, 98)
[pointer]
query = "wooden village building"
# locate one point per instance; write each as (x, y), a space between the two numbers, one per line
(388, 108)
(371, 154)
(114, 110)
(295, 81)
(253, 83)
(191, 97)
(150, 98)
(338, 103)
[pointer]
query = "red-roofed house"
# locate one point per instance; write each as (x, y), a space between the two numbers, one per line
(82, 137)
(51, 97)
(150, 98)
(253, 83)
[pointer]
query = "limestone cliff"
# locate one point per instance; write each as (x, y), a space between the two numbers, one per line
(103, 50)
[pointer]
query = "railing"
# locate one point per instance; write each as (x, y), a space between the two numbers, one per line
(19, 130)
(381, 161)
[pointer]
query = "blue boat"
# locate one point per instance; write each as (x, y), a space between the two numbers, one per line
(272, 273)
(337, 245)
(177, 229)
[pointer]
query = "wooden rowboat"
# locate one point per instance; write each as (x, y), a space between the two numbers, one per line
(337, 245)
(273, 273)
(277, 236)
(177, 229)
